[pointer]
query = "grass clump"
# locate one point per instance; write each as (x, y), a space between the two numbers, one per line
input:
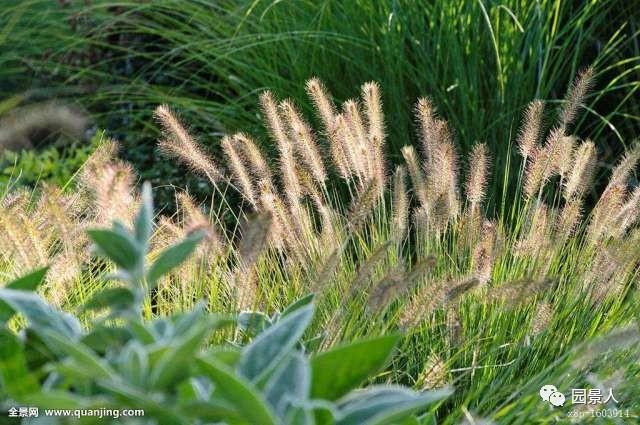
(494, 302)
(168, 369)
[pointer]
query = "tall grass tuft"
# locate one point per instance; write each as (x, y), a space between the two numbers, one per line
(480, 61)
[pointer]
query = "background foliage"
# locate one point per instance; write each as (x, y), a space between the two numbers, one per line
(480, 61)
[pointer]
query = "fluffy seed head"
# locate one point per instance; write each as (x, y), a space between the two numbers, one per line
(477, 178)
(304, 140)
(542, 317)
(575, 96)
(625, 167)
(277, 129)
(484, 253)
(434, 374)
(629, 214)
(445, 176)
(536, 172)
(194, 220)
(375, 127)
(322, 101)
(179, 144)
(257, 163)
(238, 168)
(428, 127)
(417, 177)
(113, 192)
(568, 219)
(582, 171)
(18, 126)
(400, 202)
(564, 157)
(341, 149)
(607, 207)
(530, 130)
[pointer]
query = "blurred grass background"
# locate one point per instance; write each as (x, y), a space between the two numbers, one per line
(480, 61)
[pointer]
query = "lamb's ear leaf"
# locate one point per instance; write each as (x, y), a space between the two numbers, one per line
(102, 337)
(351, 364)
(236, 390)
(306, 300)
(385, 404)
(29, 282)
(173, 365)
(59, 399)
(116, 299)
(253, 322)
(131, 396)
(122, 249)
(172, 257)
(263, 354)
(85, 360)
(41, 316)
(289, 385)
(229, 356)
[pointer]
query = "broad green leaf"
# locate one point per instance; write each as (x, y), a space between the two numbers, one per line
(41, 316)
(194, 388)
(230, 356)
(253, 322)
(143, 333)
(299, 415)
(337, 371)
(162, 328)
(116, 299)
(172, 257)
(183, 322)
(174, 362)
(103, 337)
(29, 282)
(84, 359)
(290, 383)
(382, 405)
(267, 349)
(306, 300)
(36, 350)
(237, 391)
(15, 378)
(324, 412)
(133, 364)
(119, 248)
(411, 420)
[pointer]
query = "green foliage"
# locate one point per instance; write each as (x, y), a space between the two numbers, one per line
(480, 62)
(168, 366)
(53, 164)
(352, 362)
